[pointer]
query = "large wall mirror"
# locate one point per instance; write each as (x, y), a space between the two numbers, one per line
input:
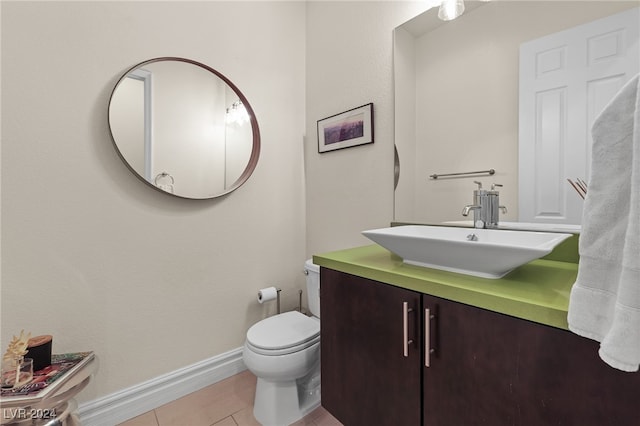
(457, 106)
(184, 128)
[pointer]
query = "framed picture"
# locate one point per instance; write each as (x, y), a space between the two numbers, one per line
(347, 129)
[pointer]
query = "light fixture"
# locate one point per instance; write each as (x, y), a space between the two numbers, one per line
(237, 113)
(450, 9)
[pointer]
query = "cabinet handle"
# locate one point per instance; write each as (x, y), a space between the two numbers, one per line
(405, 329)
(427, 338)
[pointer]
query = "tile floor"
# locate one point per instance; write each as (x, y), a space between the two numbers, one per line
(226, 403)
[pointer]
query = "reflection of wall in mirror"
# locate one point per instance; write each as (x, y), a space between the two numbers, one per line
(466, 107)
(239, 144)
(188, 127)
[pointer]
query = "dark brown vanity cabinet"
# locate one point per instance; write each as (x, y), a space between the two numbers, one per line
(493, 369)
(484, 368)
(366, 378)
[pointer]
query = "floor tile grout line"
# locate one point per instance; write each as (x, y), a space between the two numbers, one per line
(234, 419)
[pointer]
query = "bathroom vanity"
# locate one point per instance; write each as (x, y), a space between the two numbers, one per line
(408, 345)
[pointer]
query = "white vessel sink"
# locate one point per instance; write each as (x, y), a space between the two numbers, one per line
(487, 253)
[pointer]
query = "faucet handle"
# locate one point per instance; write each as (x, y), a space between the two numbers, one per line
(493, 186)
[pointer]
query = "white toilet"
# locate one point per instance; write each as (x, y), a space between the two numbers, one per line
(283, 351)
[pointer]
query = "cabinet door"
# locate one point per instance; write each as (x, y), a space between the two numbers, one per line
(366, 377)
(492, 369)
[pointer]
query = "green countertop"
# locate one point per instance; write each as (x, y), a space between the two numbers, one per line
(537, 291)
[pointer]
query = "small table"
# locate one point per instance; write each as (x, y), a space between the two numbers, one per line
(56, 407)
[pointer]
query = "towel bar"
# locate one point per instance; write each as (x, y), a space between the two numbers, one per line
(488, 172)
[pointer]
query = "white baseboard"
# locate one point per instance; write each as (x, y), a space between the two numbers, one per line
(131, 402)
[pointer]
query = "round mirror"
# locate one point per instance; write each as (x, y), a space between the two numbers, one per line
(184, 128)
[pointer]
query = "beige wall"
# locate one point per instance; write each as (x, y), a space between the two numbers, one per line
(350, 63)
(94, 256)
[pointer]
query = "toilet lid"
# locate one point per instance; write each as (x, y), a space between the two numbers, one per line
(283, 331)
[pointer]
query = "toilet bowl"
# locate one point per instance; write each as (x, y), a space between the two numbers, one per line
(283, 351)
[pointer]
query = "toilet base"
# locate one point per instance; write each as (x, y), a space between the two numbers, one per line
(292, 401)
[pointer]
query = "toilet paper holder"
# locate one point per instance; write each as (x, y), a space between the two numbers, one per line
(278, 290)
(270, 293)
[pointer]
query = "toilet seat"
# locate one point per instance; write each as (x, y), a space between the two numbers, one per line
(283, 334)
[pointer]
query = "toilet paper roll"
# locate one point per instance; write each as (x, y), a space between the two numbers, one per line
(266, 294)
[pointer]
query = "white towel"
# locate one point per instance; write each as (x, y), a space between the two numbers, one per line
(605, 300)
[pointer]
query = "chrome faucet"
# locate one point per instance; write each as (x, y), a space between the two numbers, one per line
(468, 208)
(480, 206)
(486, 207)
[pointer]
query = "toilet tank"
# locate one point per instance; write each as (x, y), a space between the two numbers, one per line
(312, 271)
